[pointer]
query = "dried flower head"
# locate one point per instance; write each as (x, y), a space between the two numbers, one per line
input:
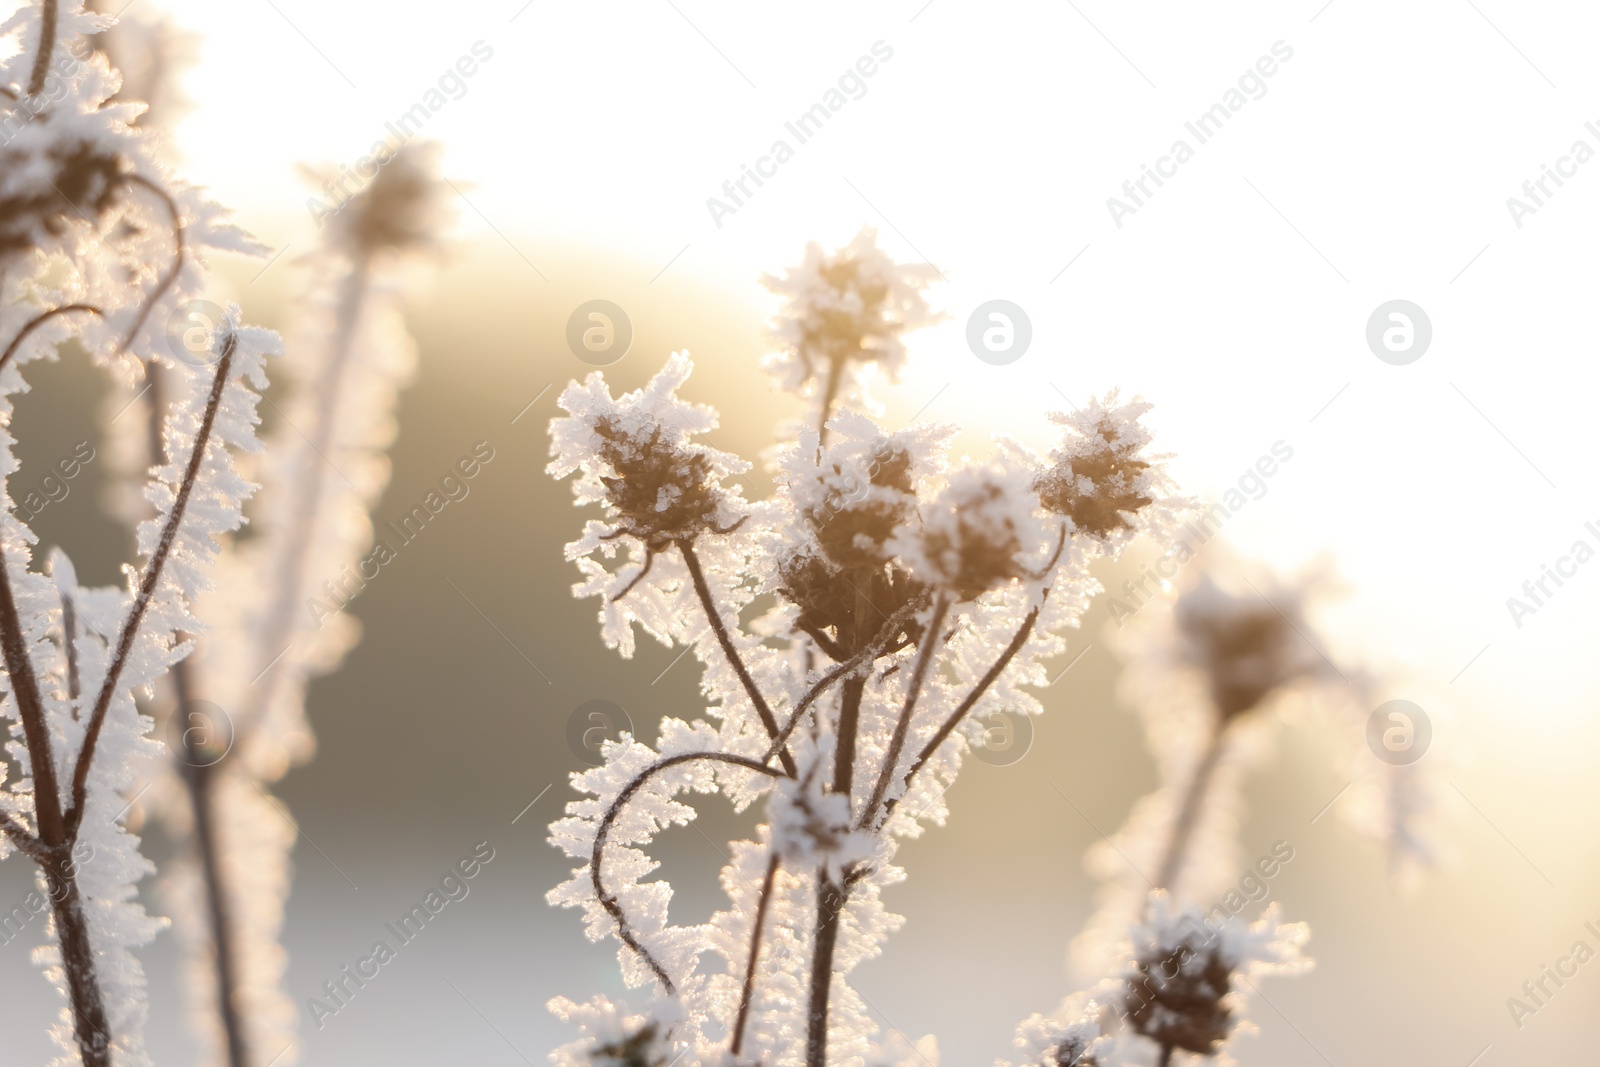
(636, 455)
(1247, 644)
(52, 175)
(980, 533)
(1099, 477)
(1179, 986)
(402, 209)
(846, 310)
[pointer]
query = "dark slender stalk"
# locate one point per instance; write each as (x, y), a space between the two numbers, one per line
(57, 834)
(69, 646)
(748, 992)
(603, 833)
(147, 585)
(854, 663)
(90, 1025)
(995, 670)
(830, 392)
(830, 904)
(1189, 814)
(199, 777)
(171, 274)
(897, 740)
(703, 589)
(844, 757)
(1166, 1056)
(30, 709)
(47, 45)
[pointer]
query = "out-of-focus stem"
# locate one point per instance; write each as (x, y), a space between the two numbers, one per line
(199, 778)
(47, 46)
(1189, 814)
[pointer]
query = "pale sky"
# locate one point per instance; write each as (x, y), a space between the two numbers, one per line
(1373, 166)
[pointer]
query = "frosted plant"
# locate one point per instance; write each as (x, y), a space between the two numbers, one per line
(276, 615)
(914, 598)
(844, 321)
(1208, 680)
(98, 243)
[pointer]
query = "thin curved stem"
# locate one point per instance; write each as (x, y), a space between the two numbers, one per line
(995, 670)
(748, 992)
(47, 45)
(703, 589)
(603, 833)
(897, 740)
(147, 585)
(38, 321)
(171, 275)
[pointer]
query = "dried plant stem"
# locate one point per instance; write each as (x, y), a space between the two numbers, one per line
(47, 46)
(897, 740)
(714, 617)
(38, 321)
(830, 393)
(748, 992)
(1194, 799)
(831, 900)
(1166, 1056)
(603, 833)
(171, 275)
(199, 779)
(147, 584)
(996, 669)
(58, 829)
(52, 848)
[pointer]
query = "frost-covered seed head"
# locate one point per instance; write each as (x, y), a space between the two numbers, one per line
(862, 508)
(402, 209)
(1247, 644)
(1179, 986)
(1176, 995)
(976, 535)
(637, 455)
(48, 183)
(1098, 477)
(849, 306)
